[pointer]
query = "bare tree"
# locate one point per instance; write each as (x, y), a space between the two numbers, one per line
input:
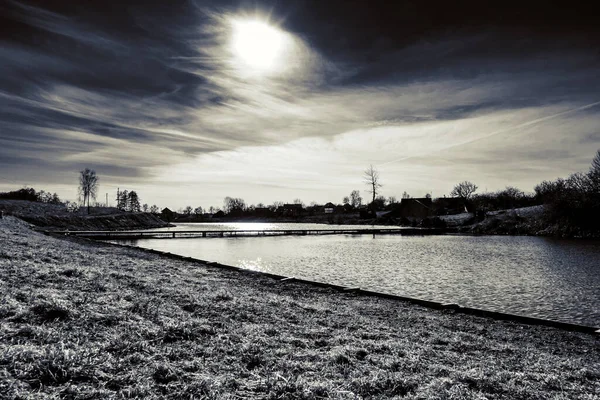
(154, 209)
(198, 211)
(231, 204)
(188, 210)
(596, 162)
(88, 186)
(371, 178)
(276, 204)
(594, 174)
(355, 199)
(346, 200)
(464, 190)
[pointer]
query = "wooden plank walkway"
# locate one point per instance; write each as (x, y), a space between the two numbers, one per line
(129, 235)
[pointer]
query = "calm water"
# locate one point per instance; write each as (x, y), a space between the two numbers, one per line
(547, 278)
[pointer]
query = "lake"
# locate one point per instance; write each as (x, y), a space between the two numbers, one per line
(541, 277)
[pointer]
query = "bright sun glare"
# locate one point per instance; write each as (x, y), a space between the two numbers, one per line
(257, 44)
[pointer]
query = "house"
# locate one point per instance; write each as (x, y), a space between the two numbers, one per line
(413, 208)
(219, 214)
(167, 214)
(329, 208)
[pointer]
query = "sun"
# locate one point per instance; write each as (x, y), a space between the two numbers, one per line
(257, 44)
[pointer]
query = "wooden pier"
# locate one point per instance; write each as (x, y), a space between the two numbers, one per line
(132, 235)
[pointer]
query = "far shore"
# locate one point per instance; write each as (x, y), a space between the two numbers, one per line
(529, 221)
(84, 319)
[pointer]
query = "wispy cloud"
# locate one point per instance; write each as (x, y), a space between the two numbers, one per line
(161, 100)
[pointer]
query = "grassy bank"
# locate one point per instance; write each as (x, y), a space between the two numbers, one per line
(56, 217)
(88, 320)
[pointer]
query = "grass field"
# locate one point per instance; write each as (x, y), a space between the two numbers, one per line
(87, 320)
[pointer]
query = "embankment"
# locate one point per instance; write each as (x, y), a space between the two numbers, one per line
(81, 319)
(55, 217)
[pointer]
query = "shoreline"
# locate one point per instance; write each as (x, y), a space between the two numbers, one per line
(436, 305)
(89, 319)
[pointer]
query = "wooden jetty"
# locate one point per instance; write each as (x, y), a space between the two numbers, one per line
(168, 234)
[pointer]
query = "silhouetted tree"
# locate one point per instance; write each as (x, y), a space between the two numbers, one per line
(355, 199)
(231, 204)
(198, 211)
(371, 178)
(133, 202)
(298, 201)
(405, 195)
(88, 186)
(276, 204)
(145, 207)
(346, 200)
(188, 210)
(154, 209)
(464, 190)
(594, 174)
(122, 200)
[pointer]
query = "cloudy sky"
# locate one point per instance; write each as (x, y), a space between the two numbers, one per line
(187, 102)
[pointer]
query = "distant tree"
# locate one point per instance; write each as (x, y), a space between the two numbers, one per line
(145, 207)
(580, 182)
(123, 200)
(88, 186)
(594, 174)
(371, 179)
(55, 199)
(198, 211)
(464, 190)
(44, 196)
(188, 210)
(427, 195)
(405, 195)
(260, 205)
(355, 199)
(298, 201)
(392, 200)
(346, 200)
(276, 205)
(509, 197)
(212, 210)
(232, 204)
(154, 209)
(133, 202)
(547, 191)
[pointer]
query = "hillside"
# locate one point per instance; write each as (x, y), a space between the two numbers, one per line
(56, 217)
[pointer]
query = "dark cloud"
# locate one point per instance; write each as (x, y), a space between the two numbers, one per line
(83, 83)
